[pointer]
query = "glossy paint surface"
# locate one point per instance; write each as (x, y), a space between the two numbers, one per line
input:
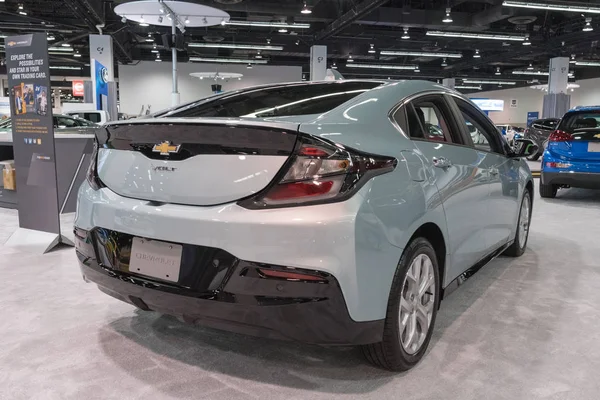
(358, 241)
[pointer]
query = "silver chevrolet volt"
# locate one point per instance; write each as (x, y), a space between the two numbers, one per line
(332, 213)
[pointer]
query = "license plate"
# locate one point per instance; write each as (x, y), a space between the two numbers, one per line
(593, 147)
(155, 259)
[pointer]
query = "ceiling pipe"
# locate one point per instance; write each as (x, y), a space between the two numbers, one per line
(348, 18)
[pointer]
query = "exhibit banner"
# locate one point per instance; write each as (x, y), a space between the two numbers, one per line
(33, 132)
(78, 90)
(532, 116)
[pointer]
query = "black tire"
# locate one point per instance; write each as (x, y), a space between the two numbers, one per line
(389, 353)
(515, 249)
(548, 191)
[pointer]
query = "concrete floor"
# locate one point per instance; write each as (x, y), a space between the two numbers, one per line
(526, 328)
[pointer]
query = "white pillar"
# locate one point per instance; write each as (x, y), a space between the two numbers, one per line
(318, 63)
(449, 82)
(175, 95)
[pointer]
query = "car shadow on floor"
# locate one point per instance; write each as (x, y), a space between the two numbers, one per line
(581, 198)
(146, 340)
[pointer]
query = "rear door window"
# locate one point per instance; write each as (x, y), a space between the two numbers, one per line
(288, 100)
(580, 122)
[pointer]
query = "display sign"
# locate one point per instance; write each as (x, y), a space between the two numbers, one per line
(532, 116)
(318, 63)
(101, 57)
(78, 90)
(514, 103)
(489, 104)
(558, 80)
(33, 132)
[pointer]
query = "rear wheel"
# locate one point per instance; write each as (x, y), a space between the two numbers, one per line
(548, 191)
(411, 312)
(520, 244)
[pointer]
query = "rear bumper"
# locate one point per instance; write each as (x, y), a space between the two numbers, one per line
(574, 179)
(308, 312)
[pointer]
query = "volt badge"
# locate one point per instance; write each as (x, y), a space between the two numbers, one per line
(165, 148)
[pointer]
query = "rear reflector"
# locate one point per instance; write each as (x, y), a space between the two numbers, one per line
(299, 189)
(295, 276)
(560, 136)
(557, 165)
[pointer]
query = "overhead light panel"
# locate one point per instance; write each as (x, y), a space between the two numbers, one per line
(282, 30)
(77, 54)
(405, 35)
(467, 87)
(249, 66)
(588, 63)
(350, 59)
(530, 67)
(483, 36)
(572, 60)
(382, 66)
(306, 10)
(334, 66)
(266, 24)
(60, 49)
(419, 54)
(552, 7)
(447, 19)
(236, 46)
(228, 60)
(478, 82)
(65, 67)
(417, 69)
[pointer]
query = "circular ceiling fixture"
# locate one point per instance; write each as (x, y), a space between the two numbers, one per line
(217, 75)
(522, 20)
(151, 12)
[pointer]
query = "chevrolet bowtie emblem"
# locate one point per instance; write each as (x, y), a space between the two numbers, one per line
(165, 148)
(597, 136)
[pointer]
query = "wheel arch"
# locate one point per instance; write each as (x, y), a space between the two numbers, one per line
(433, 233)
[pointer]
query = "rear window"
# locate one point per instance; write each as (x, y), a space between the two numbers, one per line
(280, 101)
(580, 122)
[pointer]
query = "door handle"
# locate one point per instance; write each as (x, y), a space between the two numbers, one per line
(441, 162)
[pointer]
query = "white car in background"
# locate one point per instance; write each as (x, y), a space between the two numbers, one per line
(508, 131)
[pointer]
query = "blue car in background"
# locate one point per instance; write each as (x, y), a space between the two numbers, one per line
(572, 158)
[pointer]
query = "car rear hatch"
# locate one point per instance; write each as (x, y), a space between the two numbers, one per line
(577, 137)
(197, 162)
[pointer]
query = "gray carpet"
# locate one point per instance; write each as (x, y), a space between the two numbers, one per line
(526, 328)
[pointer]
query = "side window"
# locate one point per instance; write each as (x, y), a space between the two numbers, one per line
(66, 122)
(482, 132)
(427, 119)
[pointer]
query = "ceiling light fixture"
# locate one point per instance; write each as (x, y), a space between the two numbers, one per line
(419, 54)
(306, 10)
(23, 12)
(467, 87)
(123, 19)
(282, 30)
(51, 38)
(526, 42)
(66, 45)
(187, 20)
(484, 36)
(266, 24)
(350, 59)
(588, 63)
(551, 7)
(334, 65)
(447, 19)
(249, 66)
(405, 35)
(154, 50)
(497, 71)
(149, 38)
(61, 49)
(383, 66)
(480, 82)
(158, 60)
(371, 48)
(258, 55)
(20, 6)
(228, 60)
(530, 68)
(572, 61)
(588, 25)
(64, 67)
(476, 55)
(444, 62)
(77, 54)
(236, 46)
(417, 69)
(142, 22)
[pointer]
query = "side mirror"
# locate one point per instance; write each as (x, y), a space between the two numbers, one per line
(524, 148)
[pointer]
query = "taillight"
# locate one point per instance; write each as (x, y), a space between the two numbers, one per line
(560, 136)
(92, 172)
(320, 172)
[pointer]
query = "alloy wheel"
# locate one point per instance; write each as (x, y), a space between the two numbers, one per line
(524, 222)
(416, 303)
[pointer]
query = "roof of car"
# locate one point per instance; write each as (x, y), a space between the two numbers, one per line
(584, 108)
